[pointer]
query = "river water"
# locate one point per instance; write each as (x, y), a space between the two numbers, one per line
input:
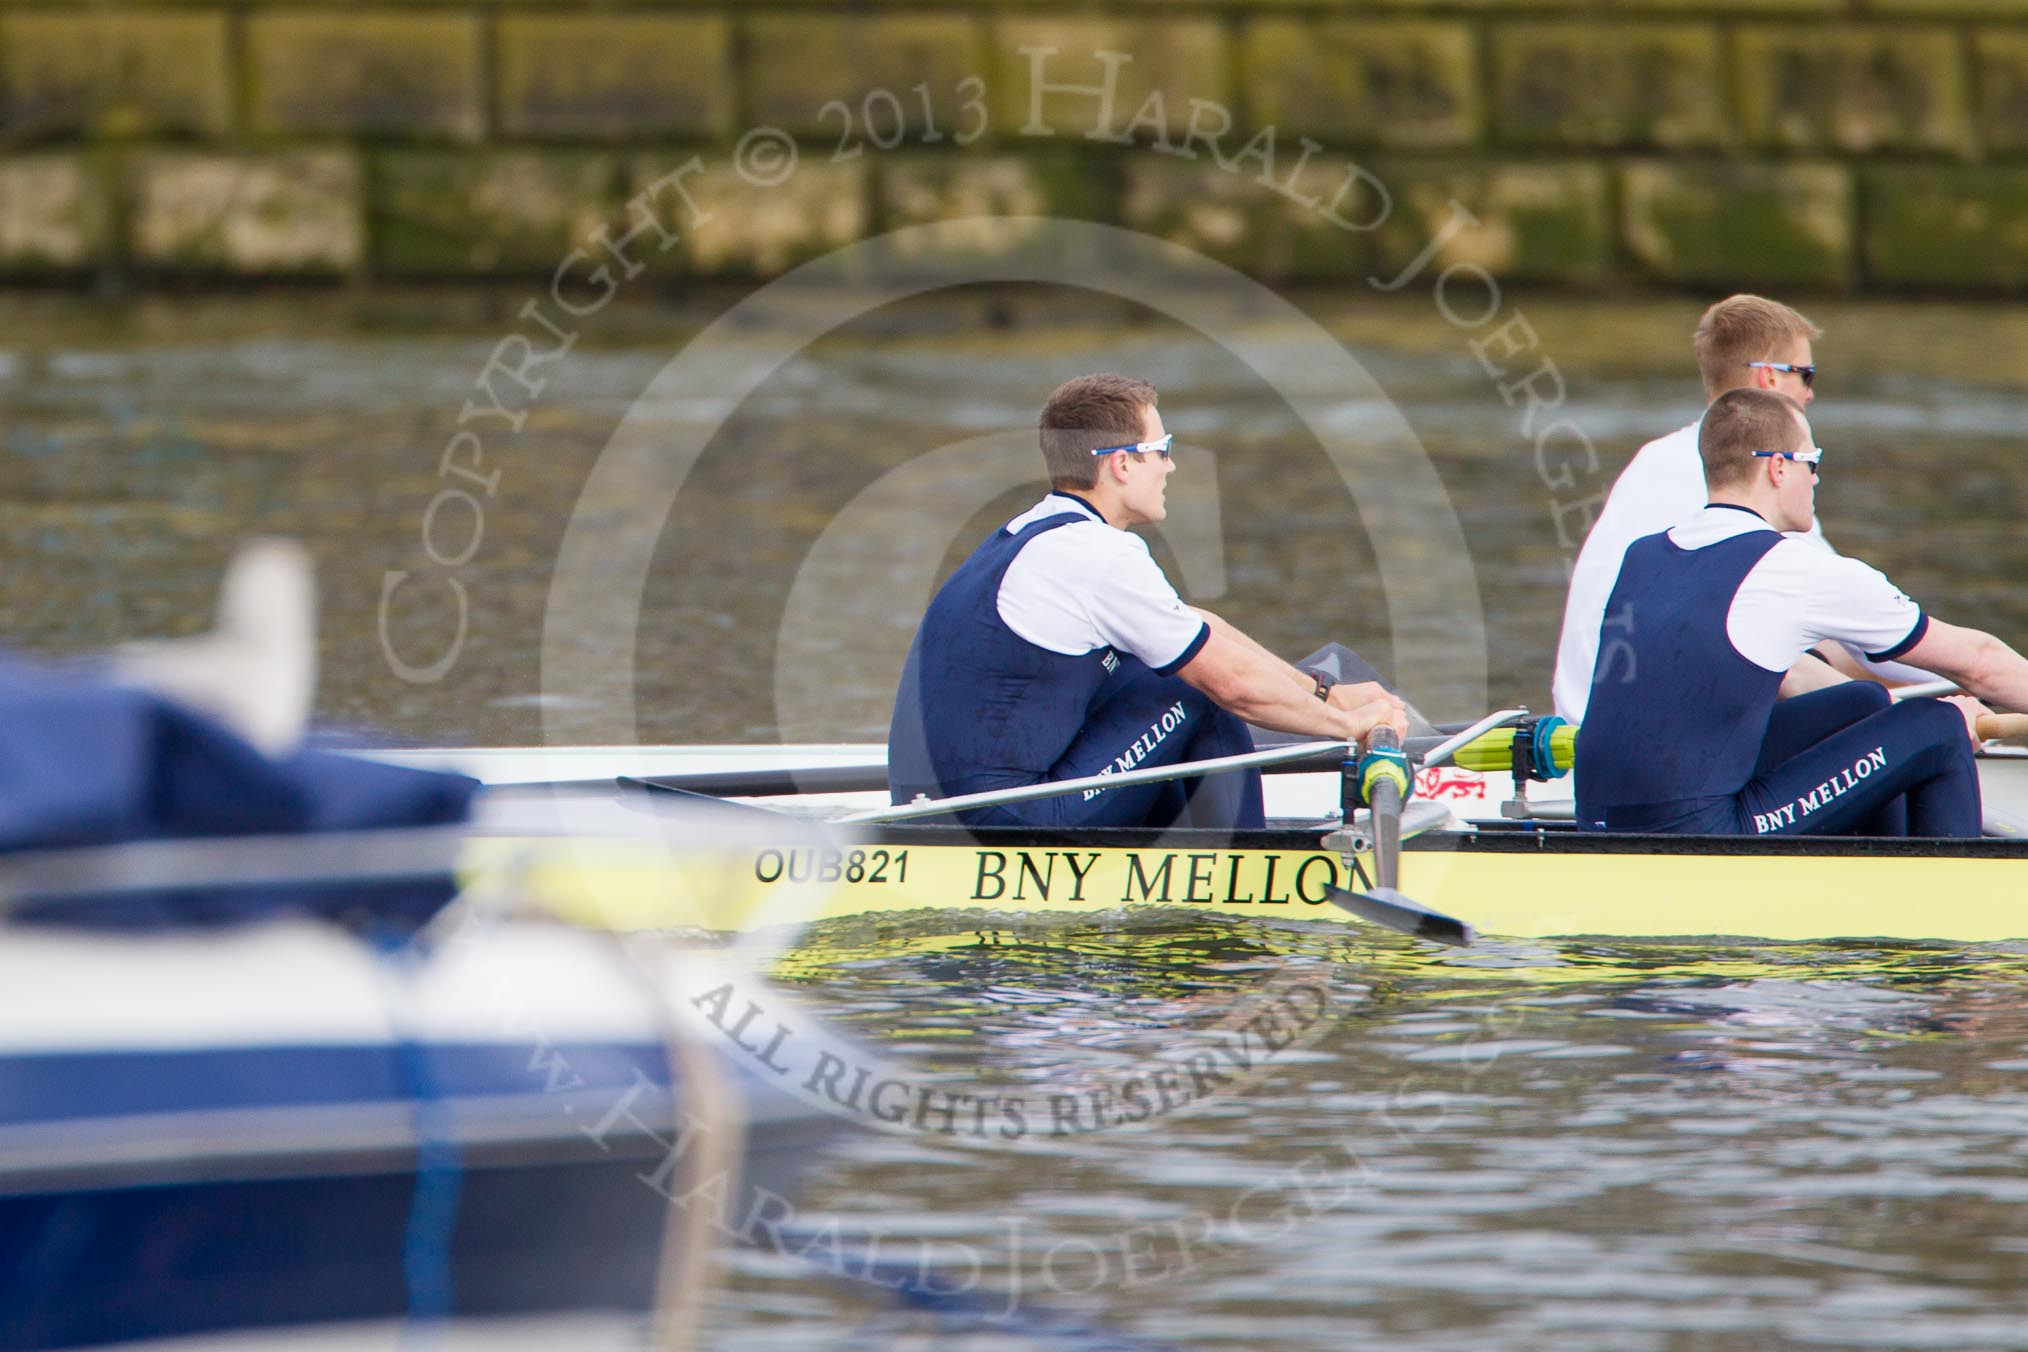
(767, 588)
(1587, 1146)
(1569, 1146)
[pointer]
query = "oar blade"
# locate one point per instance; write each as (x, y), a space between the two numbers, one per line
(1386, 907)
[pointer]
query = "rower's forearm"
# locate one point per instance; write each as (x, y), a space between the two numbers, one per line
(1999, 675)
(1304, 714)
(1246, 680)
(1270, 662)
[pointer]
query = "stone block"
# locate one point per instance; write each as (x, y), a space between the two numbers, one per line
(2001, 58)
(449, 213)
(898, 75)
(2010, 9)
(744, 229)
(1273, 232)
(372, 72)
(53, 214)
(1736, 224)
(613, 75)
(1201, 208)
(913, 189)
(1606, 85)
(293, 212)
(1947, 227)
(1700, 8)
(1085, 78)
(110, 73)
(1400, 83)
(1533, 222)
(996, 207)
(1851, 89)
(1335, 214)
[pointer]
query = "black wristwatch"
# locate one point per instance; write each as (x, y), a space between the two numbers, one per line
(1324, 684)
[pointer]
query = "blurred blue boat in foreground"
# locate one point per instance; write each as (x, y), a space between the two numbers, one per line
(282, 1124)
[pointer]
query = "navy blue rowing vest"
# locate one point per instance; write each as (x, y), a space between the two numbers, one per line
(1003, 710)
(1676, 713)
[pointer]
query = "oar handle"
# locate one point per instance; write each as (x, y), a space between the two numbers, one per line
(2002, 727)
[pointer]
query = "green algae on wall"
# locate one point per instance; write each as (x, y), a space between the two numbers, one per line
(1813, 144)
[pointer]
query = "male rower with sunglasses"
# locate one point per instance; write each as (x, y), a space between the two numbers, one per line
(1742, 342)
(1689, 736)
(1059, 650)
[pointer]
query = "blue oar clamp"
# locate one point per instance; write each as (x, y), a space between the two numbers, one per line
(1385, 763)
(1541, 750)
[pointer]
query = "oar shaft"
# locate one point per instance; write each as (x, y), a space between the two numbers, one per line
(1923, 690)
(2002, 727)
(1383, 794)
(1480, 745)
(783, 781)
(1387, 835)
(789, 781)
(1056, 788)
(1454, 746)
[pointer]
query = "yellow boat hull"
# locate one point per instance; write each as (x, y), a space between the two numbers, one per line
(1510, 885)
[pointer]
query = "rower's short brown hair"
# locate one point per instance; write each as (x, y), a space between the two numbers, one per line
(1086, 413)
(1740, 422)
(1740, 329)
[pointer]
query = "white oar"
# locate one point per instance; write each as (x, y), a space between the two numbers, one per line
(1056, 788)
(1923, 690)
(1441, 753)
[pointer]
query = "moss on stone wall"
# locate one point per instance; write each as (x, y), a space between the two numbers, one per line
(1702, 143)
(1947, 227)
(115, 75)
(613, 76)
(1734, 224)
(451, 213)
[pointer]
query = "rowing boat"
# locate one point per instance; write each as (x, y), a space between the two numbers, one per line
(284, 1129)
(1522, 879)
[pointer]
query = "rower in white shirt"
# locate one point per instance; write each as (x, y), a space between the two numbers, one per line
(1742, 342)
(1058, 650)
(1689, 737)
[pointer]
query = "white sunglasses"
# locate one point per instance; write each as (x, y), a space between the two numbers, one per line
(1160, 446)
(1809, 457)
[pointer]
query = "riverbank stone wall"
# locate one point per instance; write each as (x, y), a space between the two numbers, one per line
(1834, 145)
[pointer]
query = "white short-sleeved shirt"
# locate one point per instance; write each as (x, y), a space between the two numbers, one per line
(1801, 594)
(1661, 486)
(1089, 585)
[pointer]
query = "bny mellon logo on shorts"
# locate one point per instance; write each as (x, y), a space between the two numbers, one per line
(1837, 786)
(1158, 732)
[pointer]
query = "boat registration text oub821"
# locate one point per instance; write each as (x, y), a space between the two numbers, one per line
(1080, 877)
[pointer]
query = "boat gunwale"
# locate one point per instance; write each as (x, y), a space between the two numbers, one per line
(1500, 839)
